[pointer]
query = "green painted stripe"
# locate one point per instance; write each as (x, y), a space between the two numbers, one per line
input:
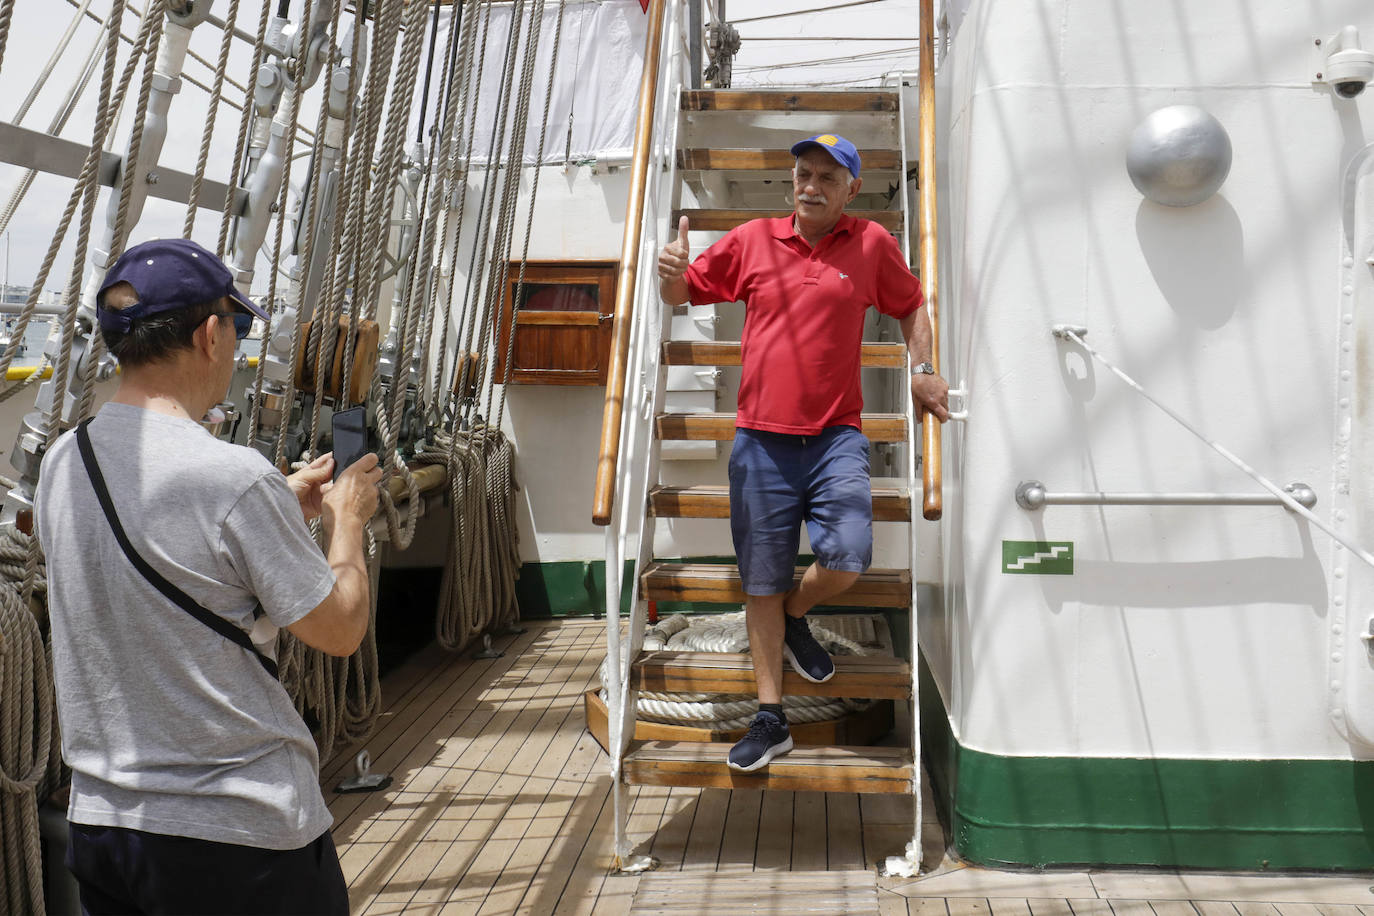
(1215, 814)
(577, 588)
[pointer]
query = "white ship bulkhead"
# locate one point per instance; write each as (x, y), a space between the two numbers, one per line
(1192, 650)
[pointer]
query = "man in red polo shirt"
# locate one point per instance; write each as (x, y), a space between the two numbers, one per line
(807, 281)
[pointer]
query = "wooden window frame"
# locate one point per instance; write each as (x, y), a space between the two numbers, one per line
(599, 273)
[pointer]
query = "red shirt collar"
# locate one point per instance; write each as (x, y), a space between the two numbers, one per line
(783, 226)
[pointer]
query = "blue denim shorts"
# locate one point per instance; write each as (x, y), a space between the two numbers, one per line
(778, 481)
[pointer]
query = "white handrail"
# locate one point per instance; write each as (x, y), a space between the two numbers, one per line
(1067, 332)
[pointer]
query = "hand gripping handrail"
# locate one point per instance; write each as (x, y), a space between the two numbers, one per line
(932, 504)
(609, 455)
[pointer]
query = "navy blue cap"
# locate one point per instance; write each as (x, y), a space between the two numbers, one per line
(840, 149)
(168, 274)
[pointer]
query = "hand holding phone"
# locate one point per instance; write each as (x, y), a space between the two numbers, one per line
(350, 437)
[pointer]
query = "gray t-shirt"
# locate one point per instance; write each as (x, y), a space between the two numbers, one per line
(168, 726)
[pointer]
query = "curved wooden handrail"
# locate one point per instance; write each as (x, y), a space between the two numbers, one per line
(609, 455)
(932, 503)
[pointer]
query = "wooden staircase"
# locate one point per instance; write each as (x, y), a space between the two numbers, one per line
(732, 185)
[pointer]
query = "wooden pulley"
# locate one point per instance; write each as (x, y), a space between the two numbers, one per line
(364, 361)
(467, 375)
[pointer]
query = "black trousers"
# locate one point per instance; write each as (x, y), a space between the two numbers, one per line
(129, 871)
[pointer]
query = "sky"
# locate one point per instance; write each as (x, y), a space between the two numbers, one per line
(783, 44)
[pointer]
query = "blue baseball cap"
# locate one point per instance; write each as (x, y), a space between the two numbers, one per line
(168, 274)
(840, 149)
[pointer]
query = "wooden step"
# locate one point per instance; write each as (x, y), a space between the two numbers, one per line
(720, 583)
(859, 676)
(854, 727)
(875, 354)
(805, 769)
(775, 160)
(787, 100)
(890, 504)
(725, 220)
(720, 427)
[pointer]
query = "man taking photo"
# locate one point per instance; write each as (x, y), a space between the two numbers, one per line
(173, 558)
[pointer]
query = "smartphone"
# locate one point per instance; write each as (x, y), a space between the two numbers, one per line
(350, 437)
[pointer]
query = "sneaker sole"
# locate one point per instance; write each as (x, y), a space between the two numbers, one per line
(768, 755)
(792, 659)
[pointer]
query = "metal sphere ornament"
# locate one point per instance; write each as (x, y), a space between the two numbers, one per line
(1179, 156)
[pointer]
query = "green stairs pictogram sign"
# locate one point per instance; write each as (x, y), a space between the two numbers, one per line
(1037, 558)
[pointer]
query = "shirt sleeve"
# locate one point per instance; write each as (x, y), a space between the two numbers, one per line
(715, 275)
(896, 291)
(270, 547)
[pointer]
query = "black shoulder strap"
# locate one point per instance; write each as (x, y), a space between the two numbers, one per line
(170, 591)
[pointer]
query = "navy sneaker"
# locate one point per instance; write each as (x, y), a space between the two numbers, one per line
(808, 657)
(767, 738)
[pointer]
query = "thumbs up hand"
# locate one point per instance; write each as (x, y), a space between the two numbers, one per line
(676, 255)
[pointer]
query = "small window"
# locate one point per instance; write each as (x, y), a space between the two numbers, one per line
(563, 328)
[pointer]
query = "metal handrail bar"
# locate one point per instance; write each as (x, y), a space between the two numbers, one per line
(1031, 495)
(608, 457)
(1070, 332)
(628, 530)
(932, 504)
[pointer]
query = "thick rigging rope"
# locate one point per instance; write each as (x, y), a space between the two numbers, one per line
(241, 146)
(216, 91)
(6, 16)
(26, 715)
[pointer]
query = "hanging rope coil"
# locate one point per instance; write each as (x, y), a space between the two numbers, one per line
(29, 762)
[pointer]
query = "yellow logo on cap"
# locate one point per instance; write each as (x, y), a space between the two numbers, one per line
(828, 139)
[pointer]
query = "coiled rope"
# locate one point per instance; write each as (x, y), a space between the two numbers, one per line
(725, 712)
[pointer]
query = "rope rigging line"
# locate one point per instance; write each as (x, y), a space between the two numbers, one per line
(529, 222)
(237, 171)
(24, 677)
(515, 160)
(471, 71)
(217, 90)
(477, 263)
(87, 183)
(6, 17)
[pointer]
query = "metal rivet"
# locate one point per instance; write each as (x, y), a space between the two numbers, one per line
(1345, 402)
(1348, 290)
(1347, 318)
(1335, 656)
(1338, 601)
(1345, 375)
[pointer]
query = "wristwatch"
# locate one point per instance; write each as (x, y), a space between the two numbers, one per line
(925, 368)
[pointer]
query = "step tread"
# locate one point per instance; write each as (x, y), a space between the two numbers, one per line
(717, 220)
(788, 100)
(874, 355)
(804, 769)
(890, 504)
(720, 583)
(673, 671)
(720, 427)
(773, 160)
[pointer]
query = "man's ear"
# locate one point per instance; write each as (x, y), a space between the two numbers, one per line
(206, 337)
(854, 189)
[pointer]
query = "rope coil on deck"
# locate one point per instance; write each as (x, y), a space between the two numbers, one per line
(725, 712)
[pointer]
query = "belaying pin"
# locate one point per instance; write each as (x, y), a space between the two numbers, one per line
(487, 651)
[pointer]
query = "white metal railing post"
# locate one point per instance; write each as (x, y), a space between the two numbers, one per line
(635, 466)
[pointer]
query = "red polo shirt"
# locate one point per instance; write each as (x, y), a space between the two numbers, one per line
(804, 315)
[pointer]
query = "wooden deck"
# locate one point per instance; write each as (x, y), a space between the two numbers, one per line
(501, 804)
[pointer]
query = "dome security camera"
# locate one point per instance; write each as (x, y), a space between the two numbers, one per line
(1348, 68)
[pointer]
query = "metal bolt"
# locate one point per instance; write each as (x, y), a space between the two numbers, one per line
(152, 178)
